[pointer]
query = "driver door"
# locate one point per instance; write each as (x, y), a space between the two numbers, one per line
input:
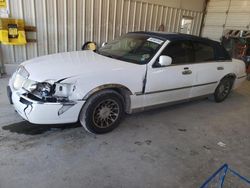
(174, 82)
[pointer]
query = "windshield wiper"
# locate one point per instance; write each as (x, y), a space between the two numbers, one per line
(107, 55)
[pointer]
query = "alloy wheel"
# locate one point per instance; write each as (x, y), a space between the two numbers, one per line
(106, 113)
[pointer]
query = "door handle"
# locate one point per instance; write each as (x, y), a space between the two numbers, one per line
(220, 68)
(186, 72)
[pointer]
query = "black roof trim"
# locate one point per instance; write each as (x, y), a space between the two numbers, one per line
(220, 52)
(175, 36)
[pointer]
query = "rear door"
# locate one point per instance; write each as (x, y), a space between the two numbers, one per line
(207, 69)
(174, 82)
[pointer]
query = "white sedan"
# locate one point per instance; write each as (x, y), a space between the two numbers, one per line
(135, 72)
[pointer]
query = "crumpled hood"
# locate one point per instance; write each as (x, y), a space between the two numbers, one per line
(69, 64)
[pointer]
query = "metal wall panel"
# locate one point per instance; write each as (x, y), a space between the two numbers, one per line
(64, 25)
(238, 15)
(240, 6)
(220, 6)
(240, 20)
(215, 18)
(226, 14)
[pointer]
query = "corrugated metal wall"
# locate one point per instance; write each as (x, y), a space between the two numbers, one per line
(226, 14)
(64, 25)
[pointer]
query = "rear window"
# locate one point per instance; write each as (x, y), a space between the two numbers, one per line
(222, 54)
(203, 52)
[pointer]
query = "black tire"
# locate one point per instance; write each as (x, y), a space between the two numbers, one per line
(223, 89)
(102, 112)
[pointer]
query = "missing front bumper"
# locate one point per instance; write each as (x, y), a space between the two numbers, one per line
(45, 113)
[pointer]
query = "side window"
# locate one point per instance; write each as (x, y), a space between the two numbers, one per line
(181, 52)
(203, 52)
(222, 54)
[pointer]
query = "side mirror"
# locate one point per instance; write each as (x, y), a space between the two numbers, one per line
(165, 60)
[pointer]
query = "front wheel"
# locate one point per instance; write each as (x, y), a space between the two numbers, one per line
(223, 89)
(102, 112)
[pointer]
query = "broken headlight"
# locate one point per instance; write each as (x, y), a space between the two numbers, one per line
(23, 72)
(21, 76)
(42, 90)
(29, 85)
(49, 92)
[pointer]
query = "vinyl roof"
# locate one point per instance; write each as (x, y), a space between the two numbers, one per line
(175, 36)
(220, 52)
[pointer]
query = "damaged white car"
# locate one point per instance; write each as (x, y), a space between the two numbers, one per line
(137, 71)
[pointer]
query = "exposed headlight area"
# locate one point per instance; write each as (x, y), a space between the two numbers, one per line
(43, 91)
(47, 92)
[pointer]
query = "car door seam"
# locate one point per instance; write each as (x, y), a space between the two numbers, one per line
(144, 81)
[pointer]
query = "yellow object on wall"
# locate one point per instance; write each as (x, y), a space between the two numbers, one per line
(3, 4)
(12, 31)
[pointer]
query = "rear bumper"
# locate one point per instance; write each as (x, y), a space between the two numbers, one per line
(42, 112)
(239, 80)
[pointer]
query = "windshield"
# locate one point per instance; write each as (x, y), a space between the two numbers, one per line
(134, 48)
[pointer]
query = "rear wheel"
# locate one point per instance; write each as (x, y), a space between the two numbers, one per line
(223, 89)
(102, 112)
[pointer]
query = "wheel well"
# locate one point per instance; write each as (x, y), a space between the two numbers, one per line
(122, 90)
(231, 76)
(125, 93)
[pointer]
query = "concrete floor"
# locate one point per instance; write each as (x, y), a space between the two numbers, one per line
(168, 147)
